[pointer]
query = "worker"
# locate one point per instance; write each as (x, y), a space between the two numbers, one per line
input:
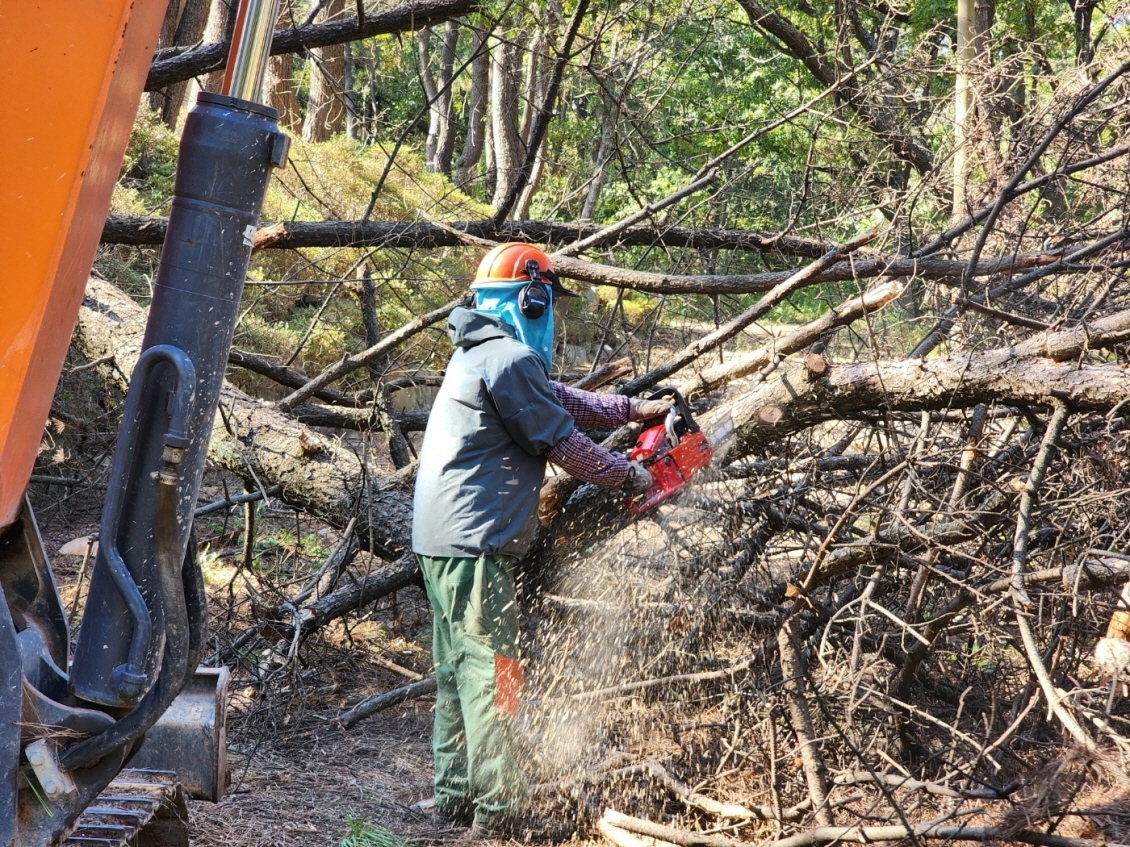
(496, 421)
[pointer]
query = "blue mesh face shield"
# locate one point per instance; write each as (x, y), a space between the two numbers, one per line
(500, 299)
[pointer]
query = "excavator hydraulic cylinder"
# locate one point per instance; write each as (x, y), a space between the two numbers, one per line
(227, 151)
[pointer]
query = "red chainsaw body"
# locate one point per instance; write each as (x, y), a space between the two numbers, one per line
(671, 466)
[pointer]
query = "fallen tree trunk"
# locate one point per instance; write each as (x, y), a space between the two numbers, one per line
(150, 232)
(1034, 372)
(266, 447)
(408, 17)
(261, 445)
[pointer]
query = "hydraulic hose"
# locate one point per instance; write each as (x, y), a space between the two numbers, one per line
(144, 650)
(175, 666)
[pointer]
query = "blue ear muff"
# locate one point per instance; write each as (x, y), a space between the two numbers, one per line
(534, 298)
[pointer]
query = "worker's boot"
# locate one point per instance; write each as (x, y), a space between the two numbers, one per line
(452, 817)
(528, 827)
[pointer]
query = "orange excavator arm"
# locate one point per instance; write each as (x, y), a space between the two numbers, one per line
(73, 71)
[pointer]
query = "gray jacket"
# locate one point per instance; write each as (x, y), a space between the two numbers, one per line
(483, 457)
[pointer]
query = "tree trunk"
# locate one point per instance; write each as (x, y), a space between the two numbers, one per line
(183, 27)
(394, 436)
(474, 115)
(166, 39)
(1084, 49)
(532, 49)
(217, 30)
(428, 81)
(440, 142)
(539, 72)
(325, 111)
(1034, 372)
(282, 93)
(279, 83)
(445, 114)
(352, 126)
(962, 105)
(610, 116)
(506, 143)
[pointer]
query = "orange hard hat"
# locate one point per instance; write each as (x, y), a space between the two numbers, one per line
(507, 263)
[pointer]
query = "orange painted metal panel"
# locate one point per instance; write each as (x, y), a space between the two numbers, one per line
(73, 73)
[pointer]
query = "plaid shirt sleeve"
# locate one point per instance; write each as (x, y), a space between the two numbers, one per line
(581, 457)
(591, 410)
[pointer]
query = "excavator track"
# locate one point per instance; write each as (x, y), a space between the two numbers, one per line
(140, 808)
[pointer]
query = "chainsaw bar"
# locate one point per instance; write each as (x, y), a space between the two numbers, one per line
(140, 808)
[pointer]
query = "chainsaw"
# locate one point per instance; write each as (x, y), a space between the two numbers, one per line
(671, 450)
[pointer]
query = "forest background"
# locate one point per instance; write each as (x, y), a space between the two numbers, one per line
(882, 249)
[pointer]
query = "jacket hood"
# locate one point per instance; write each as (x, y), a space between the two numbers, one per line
(469, 328)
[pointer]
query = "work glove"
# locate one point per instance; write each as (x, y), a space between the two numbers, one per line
(548, 504)
(639, 479)
(642, 410)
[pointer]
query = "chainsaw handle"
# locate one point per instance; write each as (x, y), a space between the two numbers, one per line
(681, 407)
(669, 424)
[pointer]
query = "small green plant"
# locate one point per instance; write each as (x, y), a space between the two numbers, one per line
(366, 834)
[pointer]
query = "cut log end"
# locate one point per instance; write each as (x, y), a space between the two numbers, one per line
(771, 414)
(815, 366)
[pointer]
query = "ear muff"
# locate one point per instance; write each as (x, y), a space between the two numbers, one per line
(534, 299)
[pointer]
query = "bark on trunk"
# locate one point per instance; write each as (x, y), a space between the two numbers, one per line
(279, 83)
(397, 443)
(428, 81)
(539, 69)
(325, 112)
(150, 231)
(1035, 372)
(504, 117)
(440, 143)
(445, 137)
(183, 27)
(282, 93)
(610, 115)
(474, 116)
(216, 33)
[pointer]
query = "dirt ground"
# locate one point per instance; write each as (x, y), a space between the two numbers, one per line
(305, 783)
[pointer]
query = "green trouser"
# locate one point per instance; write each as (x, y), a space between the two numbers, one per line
(478, 683)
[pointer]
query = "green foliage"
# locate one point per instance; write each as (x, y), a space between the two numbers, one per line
(334, 180)
(149, 168)
(365, 834)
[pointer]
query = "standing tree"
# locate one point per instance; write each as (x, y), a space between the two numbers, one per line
(325, 108)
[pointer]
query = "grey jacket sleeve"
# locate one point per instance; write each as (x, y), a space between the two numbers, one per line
(529, 410)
